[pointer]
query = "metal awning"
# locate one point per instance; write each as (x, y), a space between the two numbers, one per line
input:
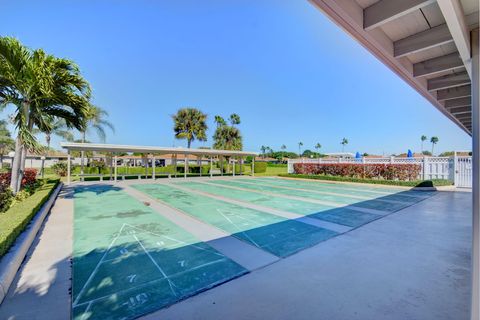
(118, 148)
(426, 42)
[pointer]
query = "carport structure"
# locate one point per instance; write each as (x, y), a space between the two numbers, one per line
(115, 149)
(434, 46)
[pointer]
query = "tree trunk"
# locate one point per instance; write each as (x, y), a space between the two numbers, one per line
(189, 142)
(42, 168)
(16, 165)
(23, 159)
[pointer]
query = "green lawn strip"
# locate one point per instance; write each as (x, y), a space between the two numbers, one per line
(416, 183)
(15, 219)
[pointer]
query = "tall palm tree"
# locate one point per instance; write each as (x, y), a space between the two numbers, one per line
(39, 86)
(220, 121)
(300, 144)
(423, 138)
(318, 146)
(344, 143)
(6, 141)
(283, 147)
(190, 124)
(56, 127)
(96, 121)
(234, 119)
(434, 141)
(227, 138)
(264, 149)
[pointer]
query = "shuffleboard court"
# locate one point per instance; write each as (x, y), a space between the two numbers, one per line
(128, 260)
(388, 194)
(344, 188)
(343, 215)
(277, 235)
(373, 203)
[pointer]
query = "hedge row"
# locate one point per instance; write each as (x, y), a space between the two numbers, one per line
(15, 219)
(403, 172)
(413, 183)
(260, 167)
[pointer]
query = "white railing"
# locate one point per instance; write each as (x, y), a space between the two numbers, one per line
(450, 168)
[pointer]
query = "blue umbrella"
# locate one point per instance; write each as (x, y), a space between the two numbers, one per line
(357, 155)
(409, 154)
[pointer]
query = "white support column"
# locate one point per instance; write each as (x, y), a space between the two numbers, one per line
(211, 166)
(153, 167)
(175, 164)
(221, 165)
(185, 166)
(115, 166)
(68, 168)
(233, 166)
(253, 166)
(199, 160)
(475, 302)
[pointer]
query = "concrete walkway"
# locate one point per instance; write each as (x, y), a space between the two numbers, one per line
(41, 288)
(413, 264)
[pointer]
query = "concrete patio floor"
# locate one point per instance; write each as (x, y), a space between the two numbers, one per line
(413, 264)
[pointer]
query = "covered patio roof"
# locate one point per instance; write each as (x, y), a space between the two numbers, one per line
(71, 146)
(425, 42)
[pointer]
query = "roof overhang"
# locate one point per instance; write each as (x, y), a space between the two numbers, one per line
(425, 42)
(116, 148)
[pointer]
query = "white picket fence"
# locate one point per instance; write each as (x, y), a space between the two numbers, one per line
(456, 169)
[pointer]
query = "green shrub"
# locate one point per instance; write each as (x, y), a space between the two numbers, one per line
(60, 168)
(6, 197)
(15, 219)
(260, 167)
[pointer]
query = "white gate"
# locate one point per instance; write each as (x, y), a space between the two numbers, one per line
(463, 172)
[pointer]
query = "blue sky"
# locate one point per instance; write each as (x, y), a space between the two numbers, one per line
(288, 71)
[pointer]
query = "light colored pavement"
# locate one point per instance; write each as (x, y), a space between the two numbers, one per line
(413, 264)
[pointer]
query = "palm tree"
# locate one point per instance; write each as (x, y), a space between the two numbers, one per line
(283, 147)
(344, 143)
(220, 121)
(6, 141)
(227, 138)
(39, 86)
(318, 146)
(234, 119)
(190, 124)
(423, 138)
(300, 144)
(434, 141)
(264, 149)
(96, 121)
(56, 127)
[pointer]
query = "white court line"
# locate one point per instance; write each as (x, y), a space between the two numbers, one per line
(152, 281)
(176, 240)
(97, 266)
(84, 314)
(170, 282)
(246, 235)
